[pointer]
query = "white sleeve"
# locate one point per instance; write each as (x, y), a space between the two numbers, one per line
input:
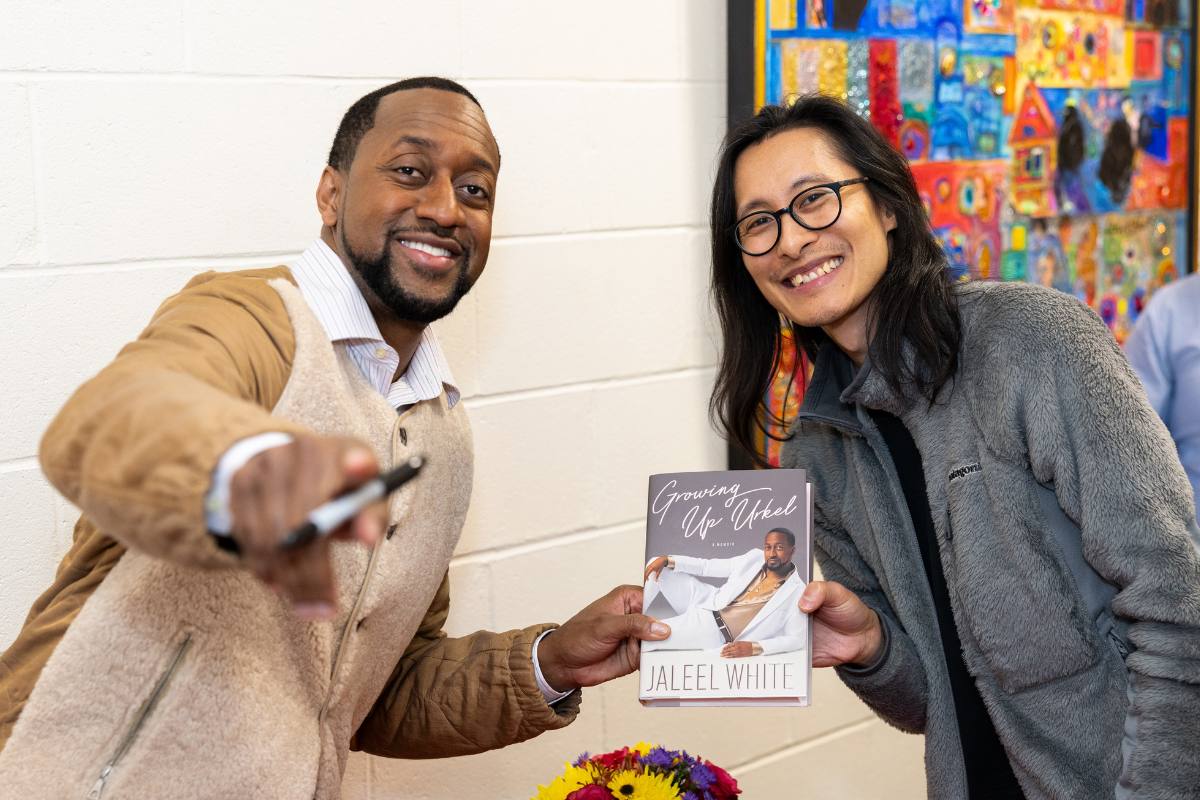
(551, 694)
(714, 567)
(216, 502)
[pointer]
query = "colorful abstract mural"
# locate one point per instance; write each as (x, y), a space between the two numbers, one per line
(1050, 139)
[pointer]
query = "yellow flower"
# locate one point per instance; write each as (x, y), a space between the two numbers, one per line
(558, 789)
(641, 748)
(629, 785)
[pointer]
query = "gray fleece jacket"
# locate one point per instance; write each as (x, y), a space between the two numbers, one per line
(1067, 532)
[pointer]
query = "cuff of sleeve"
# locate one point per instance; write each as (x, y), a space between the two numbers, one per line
(885, 648)
(551, 694)
(216, 502)
(537, 715)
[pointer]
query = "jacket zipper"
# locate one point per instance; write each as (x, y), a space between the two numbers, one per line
(140, 720)
(351, 621)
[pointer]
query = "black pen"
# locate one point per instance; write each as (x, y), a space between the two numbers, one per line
(328, 517)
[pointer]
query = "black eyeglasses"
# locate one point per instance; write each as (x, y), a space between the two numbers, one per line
(815, 208)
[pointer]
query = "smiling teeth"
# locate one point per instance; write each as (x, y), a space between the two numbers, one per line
(433, 250)
(826, 268)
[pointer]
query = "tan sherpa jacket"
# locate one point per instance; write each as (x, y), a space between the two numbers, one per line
(164, 670)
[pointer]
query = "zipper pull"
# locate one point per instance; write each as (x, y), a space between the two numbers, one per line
(98, 786)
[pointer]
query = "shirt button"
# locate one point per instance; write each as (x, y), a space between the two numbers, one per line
(381, 352)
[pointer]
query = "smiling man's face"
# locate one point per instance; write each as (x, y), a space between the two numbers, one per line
(820, 278)
(412, 215)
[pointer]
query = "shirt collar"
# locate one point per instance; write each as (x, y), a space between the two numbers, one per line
(343, 312)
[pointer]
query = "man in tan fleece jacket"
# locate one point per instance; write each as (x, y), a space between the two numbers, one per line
(180, 651)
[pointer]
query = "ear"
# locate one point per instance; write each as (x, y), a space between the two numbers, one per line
(889, 219)
(329, 196)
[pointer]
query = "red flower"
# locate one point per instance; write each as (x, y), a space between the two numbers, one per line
(612, 760)
(725, 787)
(590, 792)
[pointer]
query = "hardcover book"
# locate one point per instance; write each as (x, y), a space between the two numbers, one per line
(728, 555)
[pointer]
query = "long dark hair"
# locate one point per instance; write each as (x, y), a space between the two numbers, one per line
(913, 301)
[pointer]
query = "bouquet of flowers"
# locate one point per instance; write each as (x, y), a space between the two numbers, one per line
(641, 772)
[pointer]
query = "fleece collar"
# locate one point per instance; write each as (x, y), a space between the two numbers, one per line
(825, 399)
(840, 394)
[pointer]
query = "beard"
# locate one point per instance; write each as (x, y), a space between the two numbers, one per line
(378, 274)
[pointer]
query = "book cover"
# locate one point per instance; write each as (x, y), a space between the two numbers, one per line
(728, 555)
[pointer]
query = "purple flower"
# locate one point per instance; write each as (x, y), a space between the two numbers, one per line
(702, 776)
(579, 762)
(658, 757)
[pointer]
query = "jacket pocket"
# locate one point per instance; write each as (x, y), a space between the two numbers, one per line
(145, 711)
(1023, 610)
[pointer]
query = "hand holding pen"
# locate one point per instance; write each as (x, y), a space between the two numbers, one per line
(271, 499)
(331, 515)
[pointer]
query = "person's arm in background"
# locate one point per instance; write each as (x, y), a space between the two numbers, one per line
(1149, 354)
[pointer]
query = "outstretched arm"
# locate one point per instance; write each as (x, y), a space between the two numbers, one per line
(135, 446)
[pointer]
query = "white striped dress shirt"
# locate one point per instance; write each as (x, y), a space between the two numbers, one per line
(337, 302)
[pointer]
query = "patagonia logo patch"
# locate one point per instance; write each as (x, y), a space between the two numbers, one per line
(967, 470)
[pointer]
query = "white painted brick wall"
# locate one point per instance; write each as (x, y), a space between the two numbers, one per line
(603, 155)
(31, 544)
(142, 142)
(377, 39)
(160, 167)
(18, 234)
(144, 36)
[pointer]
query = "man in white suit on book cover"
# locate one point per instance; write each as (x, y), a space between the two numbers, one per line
(752, 613)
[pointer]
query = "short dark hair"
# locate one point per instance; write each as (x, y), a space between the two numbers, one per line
(914, 307)
(360, 117)
(791, 537)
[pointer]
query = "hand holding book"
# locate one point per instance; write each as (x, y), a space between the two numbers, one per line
(600, 643)
(845, 629)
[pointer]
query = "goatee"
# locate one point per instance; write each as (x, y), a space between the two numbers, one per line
(377, 273)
